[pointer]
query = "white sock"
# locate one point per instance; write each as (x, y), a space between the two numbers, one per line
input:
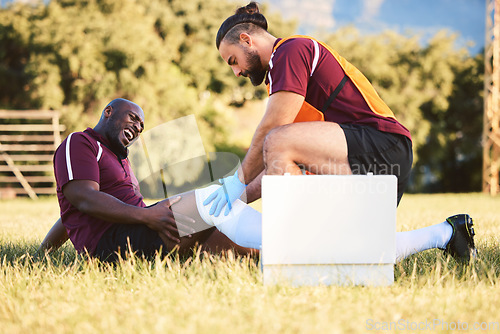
(411, 242)
(243, 224)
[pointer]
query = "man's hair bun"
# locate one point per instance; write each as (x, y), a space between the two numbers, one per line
(251, 8)
(248, 15)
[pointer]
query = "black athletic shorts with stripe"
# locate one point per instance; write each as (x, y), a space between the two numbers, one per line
(380, 153)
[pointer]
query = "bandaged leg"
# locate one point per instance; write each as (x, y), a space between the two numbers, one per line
(411, 242)
(243, 224)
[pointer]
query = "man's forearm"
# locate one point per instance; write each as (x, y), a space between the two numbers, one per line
(106, 207)
(253, 164)
(86, 197)
(282, 108)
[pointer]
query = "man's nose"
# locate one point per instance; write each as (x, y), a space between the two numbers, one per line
(236, 71)
(137, 126)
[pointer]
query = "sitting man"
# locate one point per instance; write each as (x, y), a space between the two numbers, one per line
(103, 211)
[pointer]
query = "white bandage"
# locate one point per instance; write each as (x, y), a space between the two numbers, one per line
(243, 224)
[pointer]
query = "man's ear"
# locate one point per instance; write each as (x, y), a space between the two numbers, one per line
(246, 39)
(108, 111)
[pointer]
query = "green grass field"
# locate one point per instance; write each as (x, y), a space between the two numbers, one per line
(64, 293)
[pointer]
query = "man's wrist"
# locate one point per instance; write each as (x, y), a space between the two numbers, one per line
(142, 216)
(240, 178)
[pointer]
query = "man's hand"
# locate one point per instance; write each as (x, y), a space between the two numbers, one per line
(162, 219)
(232, 189)
(56, 237)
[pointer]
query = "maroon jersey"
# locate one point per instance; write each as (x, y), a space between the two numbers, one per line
(86, 156)
(305, 66)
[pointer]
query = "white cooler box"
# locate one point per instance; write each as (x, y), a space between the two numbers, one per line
(329, 229)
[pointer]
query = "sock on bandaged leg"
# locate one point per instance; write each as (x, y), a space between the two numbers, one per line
(243, 224)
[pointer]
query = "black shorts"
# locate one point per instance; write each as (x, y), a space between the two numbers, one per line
(380, 153)
(143, 241)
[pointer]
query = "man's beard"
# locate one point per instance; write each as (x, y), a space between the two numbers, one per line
(255, 71)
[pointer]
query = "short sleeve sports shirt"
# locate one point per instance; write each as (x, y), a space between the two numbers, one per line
(305, 66)
(86, 156)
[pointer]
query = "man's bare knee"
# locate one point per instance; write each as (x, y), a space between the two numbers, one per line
(274, 143)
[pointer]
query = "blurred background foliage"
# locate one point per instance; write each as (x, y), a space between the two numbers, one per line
(76, 55)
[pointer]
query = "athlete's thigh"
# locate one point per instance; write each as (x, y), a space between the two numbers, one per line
(320, 147)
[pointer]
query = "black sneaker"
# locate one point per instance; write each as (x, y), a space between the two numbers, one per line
(461, 244)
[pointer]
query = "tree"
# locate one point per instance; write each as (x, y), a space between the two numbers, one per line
(452, 151)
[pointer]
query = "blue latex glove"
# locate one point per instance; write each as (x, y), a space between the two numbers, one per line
(231, 190)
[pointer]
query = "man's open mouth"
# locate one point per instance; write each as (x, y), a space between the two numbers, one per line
(129, 134)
